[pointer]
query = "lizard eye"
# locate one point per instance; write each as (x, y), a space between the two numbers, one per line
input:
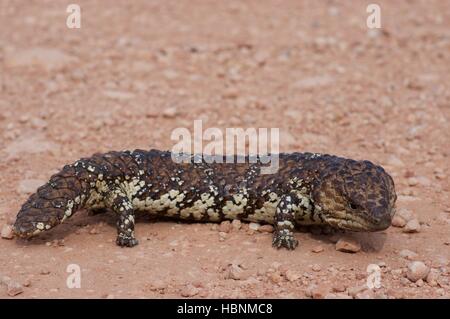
(353, 205)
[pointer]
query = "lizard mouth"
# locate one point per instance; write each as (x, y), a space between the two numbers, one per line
(27, 231)
(358, 223)
(27, 225)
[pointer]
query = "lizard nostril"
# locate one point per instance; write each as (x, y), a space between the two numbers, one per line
(377, 220)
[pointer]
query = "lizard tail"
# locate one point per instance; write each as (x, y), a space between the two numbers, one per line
(53, 202)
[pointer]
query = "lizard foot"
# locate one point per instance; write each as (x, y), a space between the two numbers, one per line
(126, 241)
(284, 238)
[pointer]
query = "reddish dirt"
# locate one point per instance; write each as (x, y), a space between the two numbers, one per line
(312, 69)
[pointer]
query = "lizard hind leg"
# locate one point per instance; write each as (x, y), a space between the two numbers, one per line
(122, 205)
(285, 223)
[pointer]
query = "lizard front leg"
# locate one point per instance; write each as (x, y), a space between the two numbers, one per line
(122, 205)
(285, 222)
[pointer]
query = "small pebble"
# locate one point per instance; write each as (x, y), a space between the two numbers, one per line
(432, 277)
(254, 226)
(236, 224)
(266, 229)
(225, 226)
(7, 232)
(319, 292)
(230, 93)
(14, 288)
(316, 268)
(339, 287)
(235, 272)
(412, 226)
(292, 275)
(417, 270)
(170, 112)
(398, 221)
(44, 272)
(158, 285)
(275, 277)
(151, 114)
(348, 245)
(189, 291)
(412, 181)
(317, 249)
(24, 119)
(222, 236)
(27, 282)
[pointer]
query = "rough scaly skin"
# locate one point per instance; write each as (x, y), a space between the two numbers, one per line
(307, 189)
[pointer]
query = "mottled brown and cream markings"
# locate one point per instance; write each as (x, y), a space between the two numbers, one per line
(307, 189)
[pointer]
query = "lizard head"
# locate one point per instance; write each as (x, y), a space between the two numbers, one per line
(39, 214)
(355, 195)
(31, 221)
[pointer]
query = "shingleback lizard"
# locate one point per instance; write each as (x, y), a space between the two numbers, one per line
(307, 189)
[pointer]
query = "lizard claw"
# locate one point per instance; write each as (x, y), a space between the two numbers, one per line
(126, 241)
(284, 239)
